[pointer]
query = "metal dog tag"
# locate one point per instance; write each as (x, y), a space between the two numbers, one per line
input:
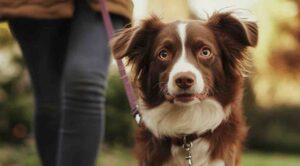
(187, 147)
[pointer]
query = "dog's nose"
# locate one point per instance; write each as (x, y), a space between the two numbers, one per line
(184, 80)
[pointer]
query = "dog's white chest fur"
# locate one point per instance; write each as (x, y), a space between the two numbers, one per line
(174, 120)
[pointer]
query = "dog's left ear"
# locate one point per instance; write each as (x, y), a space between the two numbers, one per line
(228, 27)
(234, 36)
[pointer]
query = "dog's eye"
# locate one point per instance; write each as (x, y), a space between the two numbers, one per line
(163, 54)
(205, 52)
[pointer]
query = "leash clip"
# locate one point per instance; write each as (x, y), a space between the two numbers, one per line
(187, 146)
(136, 114)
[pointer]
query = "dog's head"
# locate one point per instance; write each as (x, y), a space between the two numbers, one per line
(185, 62)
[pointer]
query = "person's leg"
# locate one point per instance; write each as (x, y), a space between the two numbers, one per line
(84, 83)
(43, 44)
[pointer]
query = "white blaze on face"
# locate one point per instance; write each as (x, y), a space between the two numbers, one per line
(183, 65)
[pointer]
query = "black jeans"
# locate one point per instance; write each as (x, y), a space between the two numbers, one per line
(68, 61)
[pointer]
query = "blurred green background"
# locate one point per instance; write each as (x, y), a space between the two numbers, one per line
(272, 93)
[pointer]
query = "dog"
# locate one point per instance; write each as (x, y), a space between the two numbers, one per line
(189, 76)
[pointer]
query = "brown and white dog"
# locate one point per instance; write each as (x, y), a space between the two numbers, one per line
(190, 76)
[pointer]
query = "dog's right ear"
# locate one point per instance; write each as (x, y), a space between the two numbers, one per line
(135, 41)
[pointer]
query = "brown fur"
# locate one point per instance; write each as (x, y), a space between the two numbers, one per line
(228, 38)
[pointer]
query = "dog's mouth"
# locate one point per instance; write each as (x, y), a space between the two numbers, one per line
(186, 97)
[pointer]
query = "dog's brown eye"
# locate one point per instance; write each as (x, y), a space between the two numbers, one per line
(163, 54)
(205, 52)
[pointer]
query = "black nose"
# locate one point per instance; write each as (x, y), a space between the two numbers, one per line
(184, 80)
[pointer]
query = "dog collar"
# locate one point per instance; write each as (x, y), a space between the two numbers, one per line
(179, 141)
(186, 143)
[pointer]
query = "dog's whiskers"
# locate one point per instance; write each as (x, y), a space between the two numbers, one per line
(160, 84)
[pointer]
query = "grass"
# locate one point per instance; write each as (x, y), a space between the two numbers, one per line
(269, 159)
(119, 156)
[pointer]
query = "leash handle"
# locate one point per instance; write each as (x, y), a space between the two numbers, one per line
(126, 83)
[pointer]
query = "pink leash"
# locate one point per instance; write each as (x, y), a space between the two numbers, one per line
(128, 88)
